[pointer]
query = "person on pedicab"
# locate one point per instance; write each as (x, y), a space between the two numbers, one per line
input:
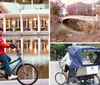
(65, 61)
(4, 57)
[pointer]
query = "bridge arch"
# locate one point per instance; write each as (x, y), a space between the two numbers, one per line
(77, 21)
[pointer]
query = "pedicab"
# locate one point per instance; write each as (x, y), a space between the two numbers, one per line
(79, 73)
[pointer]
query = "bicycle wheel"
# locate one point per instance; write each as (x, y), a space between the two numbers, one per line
(90, 80)
(73, 81)
(96, 80)
(60, 78)
(27, 74)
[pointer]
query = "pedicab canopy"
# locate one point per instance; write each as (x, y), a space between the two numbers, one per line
(75, 53)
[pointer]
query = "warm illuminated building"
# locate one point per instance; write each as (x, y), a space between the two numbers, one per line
(24, 18)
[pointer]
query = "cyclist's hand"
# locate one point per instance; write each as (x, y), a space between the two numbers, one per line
(12, 46)
(60, 64)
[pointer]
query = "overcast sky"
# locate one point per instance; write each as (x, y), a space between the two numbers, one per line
(67, 2)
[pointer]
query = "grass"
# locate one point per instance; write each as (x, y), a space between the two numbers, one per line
(80, 31)
(59, 34)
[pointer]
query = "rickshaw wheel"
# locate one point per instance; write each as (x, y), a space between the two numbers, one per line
(96, 80)
(90, 80)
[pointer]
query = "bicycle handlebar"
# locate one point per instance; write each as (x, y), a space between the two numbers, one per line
(18, 51)
(60, 65)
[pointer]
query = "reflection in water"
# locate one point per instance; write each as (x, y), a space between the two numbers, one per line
(34, 50)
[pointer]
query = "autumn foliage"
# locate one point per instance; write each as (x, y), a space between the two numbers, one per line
(79, 8)
(55, 10)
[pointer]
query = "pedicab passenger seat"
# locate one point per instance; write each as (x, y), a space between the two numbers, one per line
(88, 69)
(97, 60)
(75, 53)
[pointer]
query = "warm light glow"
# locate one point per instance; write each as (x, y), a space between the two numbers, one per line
(47, 21)
(35, 51)
(13, 22)
(14, 50)
(23, 0)
(34, 19)
(30, 47)
(30, 22)
(47, 47)
(43, 19)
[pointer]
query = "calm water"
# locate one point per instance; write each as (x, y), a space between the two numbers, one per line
(34, 49)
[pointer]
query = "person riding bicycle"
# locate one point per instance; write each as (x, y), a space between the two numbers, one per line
(65, 61)
(4, 57)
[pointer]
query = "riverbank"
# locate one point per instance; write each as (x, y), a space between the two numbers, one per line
(68, 34)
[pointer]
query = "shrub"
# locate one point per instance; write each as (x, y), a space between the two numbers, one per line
(86, 26)
(59, 34)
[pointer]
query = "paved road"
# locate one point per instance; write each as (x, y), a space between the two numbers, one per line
(54, 68)
(15, 82)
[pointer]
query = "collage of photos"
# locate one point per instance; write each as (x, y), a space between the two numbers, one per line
(49, 42)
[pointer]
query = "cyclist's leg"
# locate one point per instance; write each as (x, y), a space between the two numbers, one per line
(65, 71)
(9, 59)
(3, 57)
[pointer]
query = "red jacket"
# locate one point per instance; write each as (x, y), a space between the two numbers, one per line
(2, 46)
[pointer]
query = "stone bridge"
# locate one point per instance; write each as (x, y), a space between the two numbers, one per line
(90, 19)
(78, 22)
(77, 17)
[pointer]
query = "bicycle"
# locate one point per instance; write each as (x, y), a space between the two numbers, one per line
(75, 80)
(27, 73)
